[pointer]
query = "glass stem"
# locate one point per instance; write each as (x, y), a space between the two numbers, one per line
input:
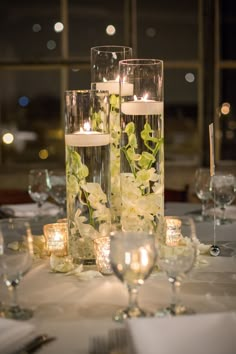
(13, 295)
(175, 285)
(133, 297)
(203, 207)
(223, 218)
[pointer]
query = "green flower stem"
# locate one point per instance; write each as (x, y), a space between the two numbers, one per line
(132, 167)
(155, 150)
(91, 220)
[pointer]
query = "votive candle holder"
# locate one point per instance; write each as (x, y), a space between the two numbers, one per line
(102, 254)
(56, 238)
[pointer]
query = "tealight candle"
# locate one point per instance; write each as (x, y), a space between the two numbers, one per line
(102, 253)
(56, 238)
(173, 231)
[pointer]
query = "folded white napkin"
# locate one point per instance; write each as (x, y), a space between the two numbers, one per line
(14, 334)
(30, 209)
(200, 333)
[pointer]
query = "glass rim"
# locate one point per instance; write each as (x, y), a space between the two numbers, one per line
(141, 61)
(111, 48)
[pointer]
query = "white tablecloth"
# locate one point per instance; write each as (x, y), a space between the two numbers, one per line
(74, 310)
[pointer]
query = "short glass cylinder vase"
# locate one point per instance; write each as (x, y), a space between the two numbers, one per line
(142, 144)
(87, 140)
(105, 76)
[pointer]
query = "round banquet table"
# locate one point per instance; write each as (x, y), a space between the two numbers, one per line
(74, 310)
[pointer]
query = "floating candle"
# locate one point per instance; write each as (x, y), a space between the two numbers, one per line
(142, 107)
(84, 139)
(113, 87)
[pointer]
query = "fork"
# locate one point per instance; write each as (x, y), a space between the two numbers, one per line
(117, 341)
(98, 345)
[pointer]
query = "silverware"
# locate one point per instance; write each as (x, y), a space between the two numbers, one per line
(35, 344)
(118, 341)
(115, 343)
(98, 345)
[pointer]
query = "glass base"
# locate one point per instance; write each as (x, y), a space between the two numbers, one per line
(174, 310)
(17, 313)
(123, 314)
(223, 221)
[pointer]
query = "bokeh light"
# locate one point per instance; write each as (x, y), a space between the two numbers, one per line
(51, 44)
(151, 32)
(36, 27)
(43, 154)
(8, 138)
(58, 27)
(189, 77)
(110, 30)
(225, 108)
(23, 101)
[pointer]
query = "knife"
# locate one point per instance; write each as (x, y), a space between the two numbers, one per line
(35, 344)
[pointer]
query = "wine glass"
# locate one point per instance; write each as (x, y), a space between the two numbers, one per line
(39, 186)
(177, 259)
(223, 193)
(202, 188)
(133, 257)
(15, 261)
(58, 189)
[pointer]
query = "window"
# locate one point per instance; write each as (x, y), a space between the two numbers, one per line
(45, 50)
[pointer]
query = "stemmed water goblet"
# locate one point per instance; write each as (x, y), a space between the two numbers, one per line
(58, 189)
(16, 258)
(39, 186)
(202, 188)
(176, 257)
(133, 257)
(223, 188)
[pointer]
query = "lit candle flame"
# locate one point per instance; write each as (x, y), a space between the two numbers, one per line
(87, 126)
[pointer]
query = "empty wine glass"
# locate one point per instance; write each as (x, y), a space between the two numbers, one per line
(15, 261)
(133, 256)
(177, 259)
(58, 189)
(39, 186)
(223, 189)
(202, 188)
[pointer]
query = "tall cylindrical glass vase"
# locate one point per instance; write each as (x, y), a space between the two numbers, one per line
(105, 76)
(142, 144)
(87, 140)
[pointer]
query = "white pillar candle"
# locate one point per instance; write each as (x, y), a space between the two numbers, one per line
(142, 107)
(84, 139)
(113, 87)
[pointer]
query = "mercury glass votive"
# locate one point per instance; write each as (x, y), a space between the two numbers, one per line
(56, 238)
(102, 254)
(173, 230)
